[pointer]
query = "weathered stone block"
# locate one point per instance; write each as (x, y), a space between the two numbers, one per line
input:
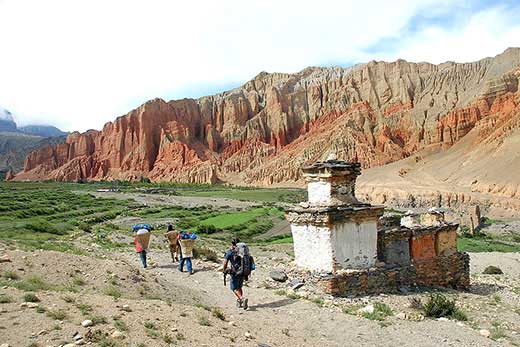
(446, 242)
(394, 247)
(422, 246)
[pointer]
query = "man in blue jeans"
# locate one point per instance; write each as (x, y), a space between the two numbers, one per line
(186, 254)
(236, 282)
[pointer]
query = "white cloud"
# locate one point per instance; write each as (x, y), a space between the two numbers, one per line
(78, 64)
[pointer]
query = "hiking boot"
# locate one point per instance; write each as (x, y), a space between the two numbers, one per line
(239, 303)
(245, 305)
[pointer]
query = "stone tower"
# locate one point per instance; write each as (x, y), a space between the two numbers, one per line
(333, 230)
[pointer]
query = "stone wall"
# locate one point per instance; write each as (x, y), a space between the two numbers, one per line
(446, 271)
(408, 257)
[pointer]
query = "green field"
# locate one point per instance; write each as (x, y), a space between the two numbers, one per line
(483, 243)
(53, 216)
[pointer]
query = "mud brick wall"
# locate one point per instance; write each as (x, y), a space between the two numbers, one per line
(450, 271)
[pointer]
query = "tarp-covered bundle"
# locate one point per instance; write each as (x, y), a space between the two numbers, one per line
(142, 226)
(142, 234)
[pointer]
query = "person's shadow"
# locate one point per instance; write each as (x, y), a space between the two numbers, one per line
(273, 304)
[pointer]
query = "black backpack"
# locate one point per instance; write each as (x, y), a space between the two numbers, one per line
(242, 263)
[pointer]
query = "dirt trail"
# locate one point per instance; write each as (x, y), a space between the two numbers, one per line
(279, 321)
(272, 320)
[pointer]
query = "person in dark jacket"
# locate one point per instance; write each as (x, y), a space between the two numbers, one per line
(237, 282)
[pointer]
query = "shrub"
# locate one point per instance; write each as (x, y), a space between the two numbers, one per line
(217, 313)
(381, 311)
(97, 319)
(168, 339)
(58, 315)
(492, 270)
(10, 275)
(30, 297)
(85, 227)
(207, 229)
(204, 321)
(5, 299)
(113, 292)
(43, 226)
(415, 303)
(149, 325)
(68, 299)
(119, 324)
(439, 306)
(40, 309)
(33, 284)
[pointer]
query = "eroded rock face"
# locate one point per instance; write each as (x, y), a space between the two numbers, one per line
(264, 131)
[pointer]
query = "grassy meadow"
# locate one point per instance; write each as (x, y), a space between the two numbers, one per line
(63, 216)
(54, 216)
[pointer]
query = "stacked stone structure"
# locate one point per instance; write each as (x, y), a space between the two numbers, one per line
(356, 251)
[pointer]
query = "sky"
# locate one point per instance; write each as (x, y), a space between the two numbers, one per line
(78, 64)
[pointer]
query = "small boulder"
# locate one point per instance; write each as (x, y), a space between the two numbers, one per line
(367, 309)
(87, 323)
(32, 305)
(297, 283)
(493, 270)
(278, 275)
(117, 335)
(485, 332)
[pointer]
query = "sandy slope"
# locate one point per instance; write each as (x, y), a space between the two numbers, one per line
(466, 174)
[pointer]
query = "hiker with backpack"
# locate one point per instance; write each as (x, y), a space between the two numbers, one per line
(186, 241)
(142, 240)
(241, 263)
(173, 240)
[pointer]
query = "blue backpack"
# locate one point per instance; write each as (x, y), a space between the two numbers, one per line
(142, 226)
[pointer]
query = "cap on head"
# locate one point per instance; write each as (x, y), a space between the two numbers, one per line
(235, 240)
(170, 227)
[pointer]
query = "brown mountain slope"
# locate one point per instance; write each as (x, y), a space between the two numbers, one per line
(481, 168)
(262, 132)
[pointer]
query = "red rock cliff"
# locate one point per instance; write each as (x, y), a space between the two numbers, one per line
(262, 132)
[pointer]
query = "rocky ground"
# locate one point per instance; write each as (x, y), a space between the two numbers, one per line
(129, 306)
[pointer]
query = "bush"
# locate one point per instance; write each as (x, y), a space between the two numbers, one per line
(4, 299)
(11, 275)
(492, 270)
(113, 291)
(207, 229)
(33, 284)
(381, 311)
(42, 226)
(204, 321)
(58, 315)
(30, 297)
(218, 313)
(439, 306)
